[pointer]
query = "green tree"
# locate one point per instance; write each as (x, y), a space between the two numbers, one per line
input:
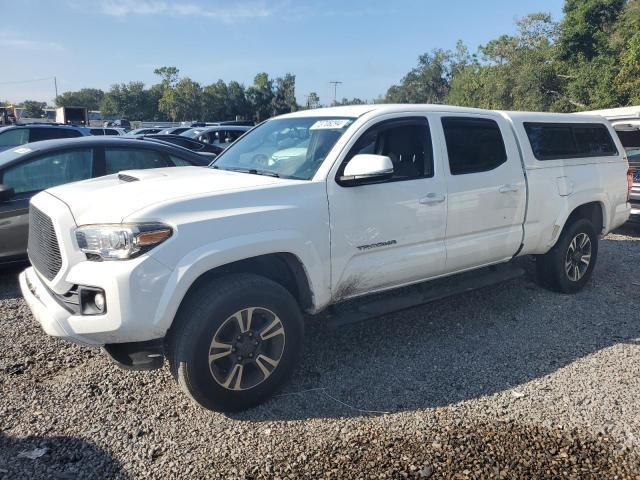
(169, 104)
(313, 100)
(216, 102)
(353, 101)
(168, 75)
(189, 99)
(428, 82)
(518, 72)
(284, 97)
(589, 49)
(33, 109)
(260, 96)
(586, 28)
(128, 100)
(238, 105)
(90, 98)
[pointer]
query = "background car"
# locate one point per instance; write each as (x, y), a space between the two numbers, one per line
(191, 143)
(16, 135)
(174, 130)
(29, 169)
(120, 123)
(219, 135)
(144, 131)
(106, 131)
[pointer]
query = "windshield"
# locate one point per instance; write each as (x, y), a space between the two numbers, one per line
(286, 147)
(193, 132)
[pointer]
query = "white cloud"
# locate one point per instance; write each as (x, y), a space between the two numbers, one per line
(16, 42)
(229, 12)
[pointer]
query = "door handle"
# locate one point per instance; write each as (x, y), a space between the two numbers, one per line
(432, 199)
(508, 188)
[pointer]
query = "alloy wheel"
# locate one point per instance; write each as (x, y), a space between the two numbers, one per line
(578, 257)
(247, 348)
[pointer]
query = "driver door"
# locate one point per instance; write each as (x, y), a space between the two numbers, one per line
(390, 232)
(28, 178)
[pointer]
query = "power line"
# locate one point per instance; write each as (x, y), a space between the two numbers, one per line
(335, 84)
(27, 81)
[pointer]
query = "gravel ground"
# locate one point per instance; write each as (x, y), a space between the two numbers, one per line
(508, 382)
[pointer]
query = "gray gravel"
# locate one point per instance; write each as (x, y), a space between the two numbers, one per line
(508, 382)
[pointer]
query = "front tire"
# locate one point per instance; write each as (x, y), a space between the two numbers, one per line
(568, 266)
(236, 339)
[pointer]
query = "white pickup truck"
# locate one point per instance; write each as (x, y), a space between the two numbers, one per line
(214, 267)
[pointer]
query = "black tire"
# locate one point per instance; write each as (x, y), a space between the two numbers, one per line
(551, 267)
(210, 308)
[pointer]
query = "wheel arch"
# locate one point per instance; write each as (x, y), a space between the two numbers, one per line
(283, 268)
(594, 211)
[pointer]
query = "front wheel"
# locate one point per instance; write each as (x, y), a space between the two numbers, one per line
(237, 339)
(568, 266)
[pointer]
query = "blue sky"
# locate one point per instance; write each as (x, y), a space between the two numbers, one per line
(367, 44)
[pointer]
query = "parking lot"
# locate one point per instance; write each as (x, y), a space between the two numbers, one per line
(511, 381)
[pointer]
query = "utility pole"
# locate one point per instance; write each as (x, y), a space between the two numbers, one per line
(335, 84)
(55, 83)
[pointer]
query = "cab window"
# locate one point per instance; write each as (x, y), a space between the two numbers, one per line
(407, 142)
(474, 145)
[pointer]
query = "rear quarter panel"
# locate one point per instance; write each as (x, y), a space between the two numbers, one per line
(558, 187)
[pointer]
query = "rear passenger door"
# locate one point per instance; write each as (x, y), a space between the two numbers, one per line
(486, 191)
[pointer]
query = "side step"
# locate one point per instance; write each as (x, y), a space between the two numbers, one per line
(372, 306)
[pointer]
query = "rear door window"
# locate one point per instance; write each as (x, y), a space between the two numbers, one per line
(15, 136)
(49, 170)
(118, 159)
(97, 131)
(556, 141)
(473, 144)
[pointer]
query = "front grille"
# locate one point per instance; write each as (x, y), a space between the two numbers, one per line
(43, 248)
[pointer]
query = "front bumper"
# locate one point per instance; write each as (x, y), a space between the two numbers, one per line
(133, 290)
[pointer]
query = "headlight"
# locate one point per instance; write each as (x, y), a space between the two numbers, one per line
(120, 242)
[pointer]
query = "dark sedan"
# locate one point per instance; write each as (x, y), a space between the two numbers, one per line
(31, 168)
(191, 143)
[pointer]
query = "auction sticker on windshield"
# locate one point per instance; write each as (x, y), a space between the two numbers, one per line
(332, 124)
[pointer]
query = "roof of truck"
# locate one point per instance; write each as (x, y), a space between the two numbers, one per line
(382, 108)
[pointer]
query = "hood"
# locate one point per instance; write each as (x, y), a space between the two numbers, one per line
(110, 199)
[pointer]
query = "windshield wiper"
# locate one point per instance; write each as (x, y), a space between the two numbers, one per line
(253, 171)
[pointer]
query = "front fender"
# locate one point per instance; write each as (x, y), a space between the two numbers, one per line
(222, 252)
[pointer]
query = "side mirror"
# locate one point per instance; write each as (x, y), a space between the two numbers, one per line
(366, 168)
(6, 192)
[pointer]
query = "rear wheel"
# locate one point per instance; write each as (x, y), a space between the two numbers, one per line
(237, 339)
(568, 266)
